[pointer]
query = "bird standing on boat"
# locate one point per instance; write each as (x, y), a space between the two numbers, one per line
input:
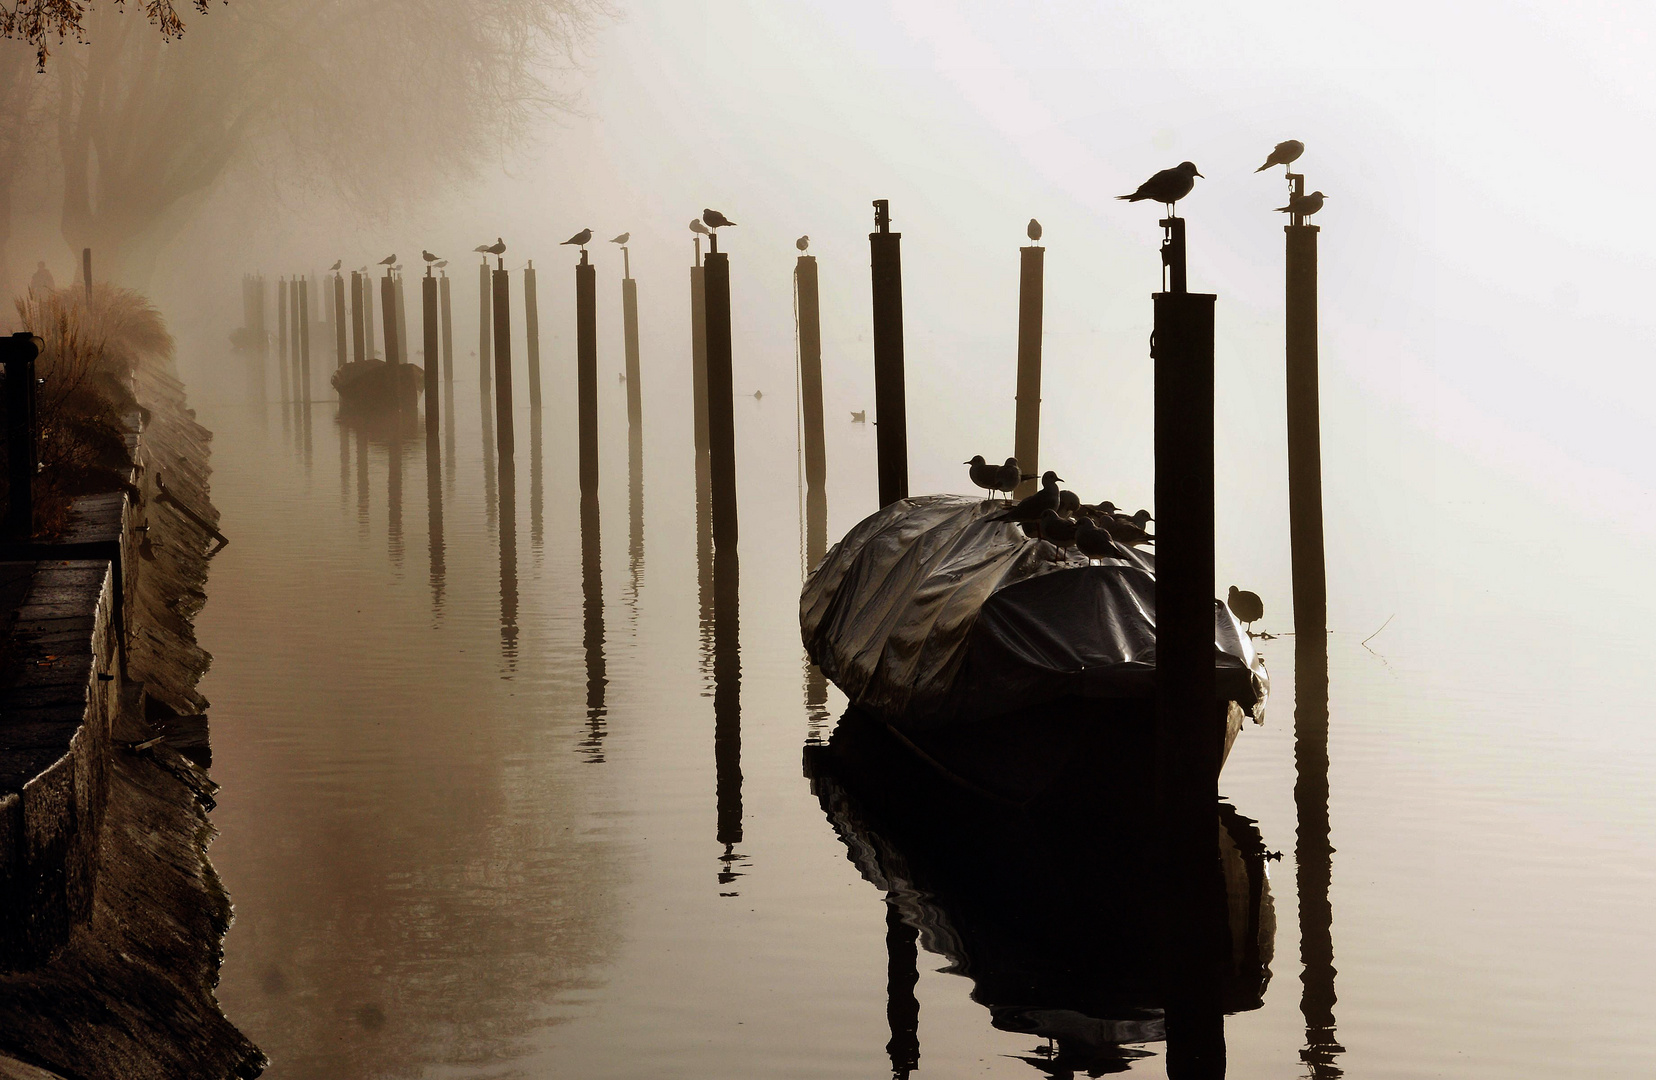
(1069, 504)
(1166, 187)
(1034, 231)
(802, 243)
(983, 474)
(1303, 205)
(1031, 508)
(1127, 530)
(1246, 606)
(1008, 476)
(1057, 531)
(580, 239)
(1094, 542)
(1286, 153)
(715, 220)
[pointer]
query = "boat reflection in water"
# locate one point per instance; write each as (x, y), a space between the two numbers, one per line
(1055, 919)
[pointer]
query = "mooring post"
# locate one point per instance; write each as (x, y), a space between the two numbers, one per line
(721, 405)
(1305, 511)
(304, 340)
(282, 334)
(629, 337)
(403, 351)
(448, 327)
(1189, 719)
(698, 352)
(428, 308)
(368, 314)
(262, 353)
(531, 331)
(810, 371)
(22, 432)
(295, 351)
(505, 438)
(586, 373)
(1026, 441)
(485, 327)
(357, 339)
(340, 354)
(886, 251)
(86, 273)
(388, 317)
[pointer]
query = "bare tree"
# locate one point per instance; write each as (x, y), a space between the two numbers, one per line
(37, 21)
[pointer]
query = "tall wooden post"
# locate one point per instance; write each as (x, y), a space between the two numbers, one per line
(17, 358)
(388, 318)
(368, 315)
(1305, 511)
(531, 330)
(357, 329)
(629, 337)
(1189, 721)
(721, 406)
(294, 350)
(810, 370)
(586, 373)
(428, 309)
(504, 435)
(86, 273)
(304, 340)
(890, 399)
(282, 334)
(262, 354)
(403, 351)
(339, 320)
(485, 326)
(448, 327)
(1027, 439)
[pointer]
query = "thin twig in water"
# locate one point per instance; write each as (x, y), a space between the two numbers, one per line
(1376, 634)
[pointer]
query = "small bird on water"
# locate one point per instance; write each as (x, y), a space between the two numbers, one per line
(1034, 231)
(580, 239)
(622, 239)
(1166, 187)
(802, 243)
(983, 474)
(1031, 508)
(1286, 153)
(428, 256)
(715, 220)
(698, 228)
(1246, 606)
(1303, 205)
(388, 260)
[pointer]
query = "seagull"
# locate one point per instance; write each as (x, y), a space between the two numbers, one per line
(335, 267)
(983, 474)
(1069, 503)
(1246, 606)
(428, 256)
(715, 220)
(388, 260)
(758, 395)
(860, 417)
(1166, 187)
(622, 239)
(1286, 153)
(481, 249)
(1007, 476)
(1094, 542)
(1057, 531)
(496, 248)
(440, 263)
(698, 228)
(1127, 530)
(1031, 508)
(1034, 231)
(802, 243)
(621, 376)
(580, 239)
(1303, 205)
(397, 269)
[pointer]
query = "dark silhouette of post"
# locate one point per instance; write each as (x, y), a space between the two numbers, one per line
(1189, 721)
(629, 338)
(1026, 441)
(485, 326)
(403, 351)
(902, 1006)
(727, 704)
(592, 617)
(86, 273)
(810, 371)
(508, 562)
(586, 373)
(890, 406)
(433, 403)
(294, 350)
(339, 320)
(1313, 853)
(434, 520)
(304, 340)
(17, 357)
(721, 406)
(698, 407)
(357, 327)
(1305, 511)
(531, 328)
(505, 438)
(388, 317)
(448, 328)
(261, 355)
(282, 334)
(368, 315)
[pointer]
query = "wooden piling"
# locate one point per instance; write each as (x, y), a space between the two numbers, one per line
(262, 353)
(1027, 438)
(368, 315)
(294, 350)
(403, 351)
(1305, 510)
(485, 327)
(721, 411)
(531, 330)
(86, 273)
(357, 339)
(448, 327)
(340, 347)
(388, 317)
(886, 252)
(282, 334)
(433, 404)
(304, 340)
(586, 373)
(810, 370)
(629, 337)
(505, 438)
(698, 352)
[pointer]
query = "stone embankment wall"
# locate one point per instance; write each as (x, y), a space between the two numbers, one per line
(111, 917)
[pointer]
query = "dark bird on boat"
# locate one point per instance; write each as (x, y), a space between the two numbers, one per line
(622, 239)
(428, 256)
(983, 474)
(497, 248)
(1303, 205)
(860, 417)
(335, 266)
(580, 239)
(698, 228)
(1126, 530)
(802, 243)
(1008, 476)
(388, 260)
(1094, 509)
(1286, 153)
(1094, 542)
(1031, 508)
(1057, 531)
(1034, 231)
(1166, 187)
(1068, 504)
(1246, 606)
(715, 220)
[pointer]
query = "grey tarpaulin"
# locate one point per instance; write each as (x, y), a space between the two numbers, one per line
(929, 611)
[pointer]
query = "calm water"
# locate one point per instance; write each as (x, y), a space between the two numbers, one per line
(479, 818)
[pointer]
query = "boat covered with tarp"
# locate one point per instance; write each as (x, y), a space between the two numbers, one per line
(371, 385)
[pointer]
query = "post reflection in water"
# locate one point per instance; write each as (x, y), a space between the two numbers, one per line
(393, 491)
(816, 546)
(362, 479)
(537, 500)
(635, 513)
(1314, 854)
(902, 976)
(489, 494)
(344, 466)
(434, 524)
(727, 711)
(508, 562)
(448, 431)
(592, 610)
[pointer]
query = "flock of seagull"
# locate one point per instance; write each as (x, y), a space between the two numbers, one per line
(1170, 185)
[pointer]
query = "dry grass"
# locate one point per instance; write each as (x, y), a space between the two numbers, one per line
(86, 366)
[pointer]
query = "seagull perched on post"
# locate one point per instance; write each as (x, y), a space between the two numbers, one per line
(715, 220)
(802, 243)
(428, 256)
(698, 228)
(1286, 153)
(1166, 187)
(1303, 205)
(580, 239)
(440, 263)
(1034, 231)
(496, 248)
(388, 260)
(481, 249)
(335, 267)
(622, 239)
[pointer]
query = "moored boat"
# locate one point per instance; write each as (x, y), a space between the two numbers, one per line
(371, 385)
